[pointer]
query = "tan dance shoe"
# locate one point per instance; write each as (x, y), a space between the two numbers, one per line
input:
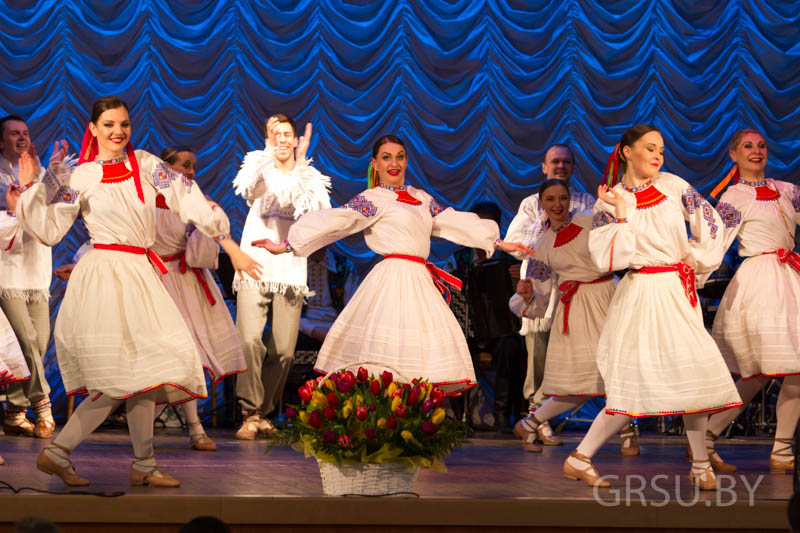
(24, 428)
(155, 477)
(202, 443)
(545, 435)
(266, 428)
(782, 461)
(67, 473)
(589, 474)
(630, 444)
(702, 475)
(526, 431)
(249, 428)
(44, 428)
(717, 462)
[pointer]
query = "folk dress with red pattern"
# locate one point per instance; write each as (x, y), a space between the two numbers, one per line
(654, 353)
(397, 317)
(118, 331)
(188, 254)
(562, 259)
(12, 363)
(757, 325)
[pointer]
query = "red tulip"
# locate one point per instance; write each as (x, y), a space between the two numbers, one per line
(329, 437)
(371, 433)
(372, 407)
(304, 393)
(437, 395)
(401, 411)
(361, 412)
(362, 374)
(429, 428)
(387, 378)
(314, 420)
(290, 413)
(427, 406)
(329, 413)
(375, 387)
(333, 400)
(412, 399)
(344, 441)
(391, 423)
(406, 386)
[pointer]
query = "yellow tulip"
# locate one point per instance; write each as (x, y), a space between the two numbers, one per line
(330, 384)
(425, 389)
(392, 387)
(382, 423)
(359, 400)
(304, 416)
(438, 416)
(319, 399)
(406, 434)
(395, 402)
(347, 409)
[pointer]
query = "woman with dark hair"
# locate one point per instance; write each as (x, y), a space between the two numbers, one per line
(562, 259)
(119, 336)
(654, 353)
(757, 325)
(397, 318)
(188, 254)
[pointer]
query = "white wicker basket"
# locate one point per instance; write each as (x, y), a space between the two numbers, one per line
(367, 479)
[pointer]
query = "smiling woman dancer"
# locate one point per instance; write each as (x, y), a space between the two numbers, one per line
(119, 336)
(654, 353)
(562, 258)
(757, 325)
(397, 317)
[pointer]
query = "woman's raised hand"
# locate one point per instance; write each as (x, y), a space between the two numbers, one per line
(27, 169)
(612, 198)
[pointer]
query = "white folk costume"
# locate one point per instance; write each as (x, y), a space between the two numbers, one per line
(654, 354)
(12, 362)
(528, 227)
(276, 200)
(188, 254)
(397, 317)
(562, 260)
(118, 331)
(757, 325)
(25, 275)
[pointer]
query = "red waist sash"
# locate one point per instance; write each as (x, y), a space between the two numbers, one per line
(685, 272)
(440, 278)
(154, 258)
(568, 290)
(787, 256)
(198, 273)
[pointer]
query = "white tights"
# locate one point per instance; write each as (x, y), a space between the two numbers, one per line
(747, 390)
(555, 406)
(91, 413)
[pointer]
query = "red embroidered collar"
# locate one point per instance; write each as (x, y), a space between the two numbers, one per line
(116, 172)
(648, 197)
(404, 197)
(566, 234)
(766, 194)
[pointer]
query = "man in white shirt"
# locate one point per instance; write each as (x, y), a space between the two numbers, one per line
(528, 227)
(25, 274)
(280, 185)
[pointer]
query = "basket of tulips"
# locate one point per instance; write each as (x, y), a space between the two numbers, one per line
(370, 434)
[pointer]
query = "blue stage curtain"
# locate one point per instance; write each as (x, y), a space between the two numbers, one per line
(477, 88)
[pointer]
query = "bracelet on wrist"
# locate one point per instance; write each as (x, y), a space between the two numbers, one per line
(223, 237)
(622, 220)
(288, 246)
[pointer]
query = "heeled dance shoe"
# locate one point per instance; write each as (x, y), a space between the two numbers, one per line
(777, 463)
(589, 474)
(67, 473)
(717, 462)
(155, 477)
(702, 475)
(630, 444)
(528, 433)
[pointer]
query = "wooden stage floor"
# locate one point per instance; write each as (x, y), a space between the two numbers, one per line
(492, 485)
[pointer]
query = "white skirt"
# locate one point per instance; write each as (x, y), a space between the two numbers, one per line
(119, 333)
(211, 326)
(655, 355)
(571, 364)
(397, 318)
(757, 326)
(12, 362)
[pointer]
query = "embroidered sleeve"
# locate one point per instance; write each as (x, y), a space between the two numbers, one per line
(691, 200)
(435, 208)
(361, 204)
(796, 198)
(537, 270)
(163, 176)
(732, 217)
(603, 218)
(708, 216)
(66, 194)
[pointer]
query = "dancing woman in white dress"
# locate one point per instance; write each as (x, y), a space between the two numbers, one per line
(654, 353)
(397, 317)
(757, 325)
(119, 335)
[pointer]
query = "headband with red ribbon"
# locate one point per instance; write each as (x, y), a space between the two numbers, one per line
(90, 150)
(613, 173)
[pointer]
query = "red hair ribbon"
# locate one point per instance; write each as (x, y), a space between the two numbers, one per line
(732, 175)
(613, 173)
(90, 151)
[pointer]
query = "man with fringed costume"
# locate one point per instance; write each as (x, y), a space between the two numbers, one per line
(280, 185)
(25, 275)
